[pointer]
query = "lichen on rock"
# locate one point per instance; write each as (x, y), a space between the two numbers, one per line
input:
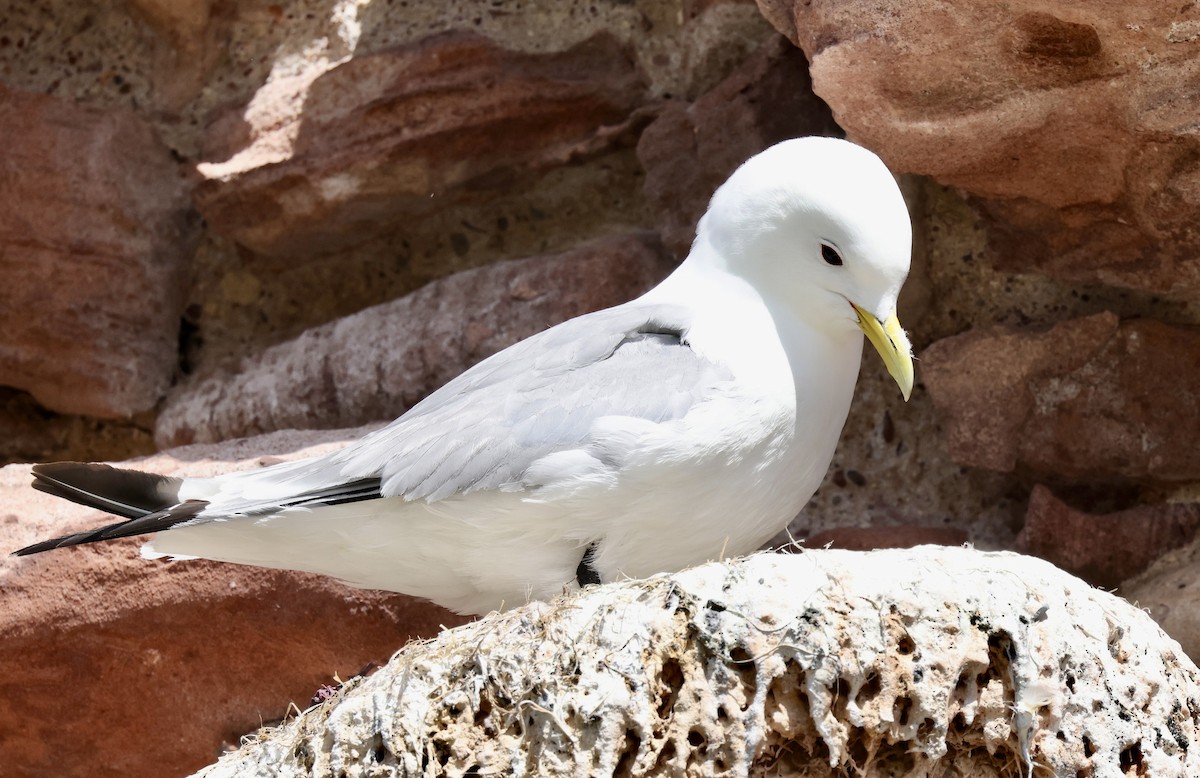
(927, 661)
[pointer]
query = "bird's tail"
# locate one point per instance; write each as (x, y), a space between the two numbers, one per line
(149, 502)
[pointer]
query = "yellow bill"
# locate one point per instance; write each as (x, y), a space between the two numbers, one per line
(889, 340)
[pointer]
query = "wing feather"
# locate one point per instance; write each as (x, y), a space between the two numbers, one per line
(486, 428)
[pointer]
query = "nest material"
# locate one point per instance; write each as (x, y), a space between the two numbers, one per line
(923, 662)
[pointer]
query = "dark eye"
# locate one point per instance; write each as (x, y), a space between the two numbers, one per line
(830, 254)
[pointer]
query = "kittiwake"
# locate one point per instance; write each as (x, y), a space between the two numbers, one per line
(694, 421)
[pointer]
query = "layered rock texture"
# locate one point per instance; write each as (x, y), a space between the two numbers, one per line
(398, 134)
(364, 367)
(91, 200)
(226, 219)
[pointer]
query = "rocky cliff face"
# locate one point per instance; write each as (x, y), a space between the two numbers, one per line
(226, 219)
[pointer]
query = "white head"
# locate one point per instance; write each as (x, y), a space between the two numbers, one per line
(820, 229)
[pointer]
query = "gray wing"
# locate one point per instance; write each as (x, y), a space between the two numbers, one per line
(484, 429)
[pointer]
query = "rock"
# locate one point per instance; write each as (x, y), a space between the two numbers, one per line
(1091, 398)
(870, 538)
(1170, 591)
(103, 649)
(328, 157)
(928, 661)
(695, 8)
(376, 364)
(30, 433)
(94, 235)
(189, 51)
(1073, 123)
(1104, 550)
(690, 149)
(182, 20)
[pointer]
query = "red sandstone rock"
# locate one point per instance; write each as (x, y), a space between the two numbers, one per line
(1104, 550)
(690, 149)
(321, 160)
(1090, 398)
(93, 239)
(377, 363)
(111, 664)
(903, 536)
(1074, 121)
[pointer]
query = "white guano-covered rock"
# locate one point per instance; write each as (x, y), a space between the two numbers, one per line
(919, 662)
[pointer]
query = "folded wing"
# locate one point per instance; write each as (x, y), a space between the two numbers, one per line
(482, 431)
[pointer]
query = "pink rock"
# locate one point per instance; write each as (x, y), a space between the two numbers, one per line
(1104, 550)
(377, 363)
(1090, 398)
(1075, 122)
(123, 666)
(690, 149)
(93, 238)
(327, 157)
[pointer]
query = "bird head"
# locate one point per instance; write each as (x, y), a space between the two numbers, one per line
(818, 226)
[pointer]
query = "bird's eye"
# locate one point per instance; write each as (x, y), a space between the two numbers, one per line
(830, 254)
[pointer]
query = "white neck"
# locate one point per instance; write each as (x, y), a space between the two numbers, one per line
(759, 339)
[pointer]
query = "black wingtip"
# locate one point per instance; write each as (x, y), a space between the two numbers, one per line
(150, 502)
(89, 536)
(143, 525)
(36, 548)
(128, 493)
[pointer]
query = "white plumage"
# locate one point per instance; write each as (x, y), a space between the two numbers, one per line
(694, 421)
